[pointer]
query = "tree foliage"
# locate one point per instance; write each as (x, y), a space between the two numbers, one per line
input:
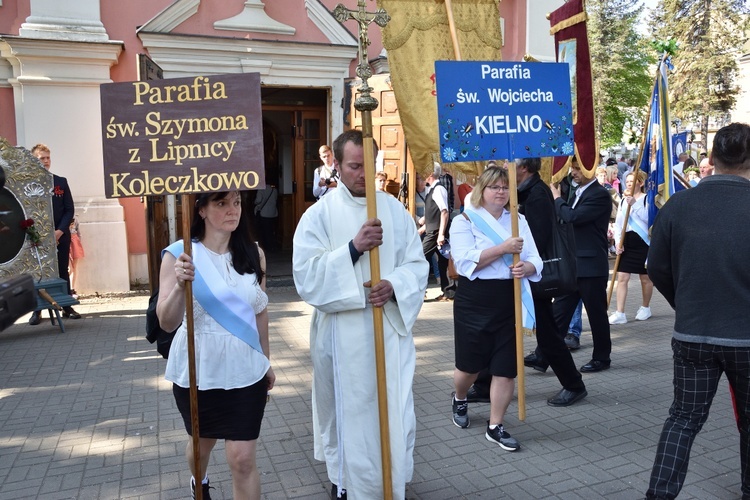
(709, 36)
(620, 60)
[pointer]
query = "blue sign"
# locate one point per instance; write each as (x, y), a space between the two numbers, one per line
(493, 110)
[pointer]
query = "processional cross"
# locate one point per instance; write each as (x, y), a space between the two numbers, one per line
(365, 104)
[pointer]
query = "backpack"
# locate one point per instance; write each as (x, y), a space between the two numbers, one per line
(154, 333)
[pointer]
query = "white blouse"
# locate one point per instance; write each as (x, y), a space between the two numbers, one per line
(468, 242)
(638, 210)
(222, 360)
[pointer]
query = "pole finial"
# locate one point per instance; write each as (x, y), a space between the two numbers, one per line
(365, 102)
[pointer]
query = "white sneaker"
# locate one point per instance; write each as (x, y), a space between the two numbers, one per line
(643, 313)
(617, 318)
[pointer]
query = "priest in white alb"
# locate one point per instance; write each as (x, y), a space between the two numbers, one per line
(332, 273)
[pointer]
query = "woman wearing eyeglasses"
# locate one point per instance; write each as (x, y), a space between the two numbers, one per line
(483, 309)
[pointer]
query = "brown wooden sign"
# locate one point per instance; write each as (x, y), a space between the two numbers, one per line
(182, 135)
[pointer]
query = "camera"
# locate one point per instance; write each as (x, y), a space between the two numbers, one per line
(332, 178)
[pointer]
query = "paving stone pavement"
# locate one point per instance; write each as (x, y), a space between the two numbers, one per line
(87, 415)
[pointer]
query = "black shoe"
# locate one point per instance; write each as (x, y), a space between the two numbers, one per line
(69, 312)
(566, 397)
(501, 437)
(35, 318)
(536, 362)
(474, 396)
(335, 492)
(460, 412)
(595, 366)
(572, 342)
(205, 486)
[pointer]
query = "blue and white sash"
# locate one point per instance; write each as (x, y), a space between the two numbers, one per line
(636, 224)
(498, 234)
(213, 294)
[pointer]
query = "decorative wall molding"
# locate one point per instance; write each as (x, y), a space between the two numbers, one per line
(281, 62)
(253, 18)
(171, 17)
(331, 28)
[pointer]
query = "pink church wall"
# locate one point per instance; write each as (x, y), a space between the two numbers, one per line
(121, 19)
(12, 15)
(514, 13)
(7, 115)
(289, 12)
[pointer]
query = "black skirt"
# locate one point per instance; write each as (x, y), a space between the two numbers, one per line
(484, 327)
(234, 414)
(633, 257)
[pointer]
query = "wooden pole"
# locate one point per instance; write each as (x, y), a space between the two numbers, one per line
(512, 184)
(365, 104)
(617, 259)
(682, 180)
(644, 134)
(452, 28)
(516, 257)
(187, 210)
(377, 312)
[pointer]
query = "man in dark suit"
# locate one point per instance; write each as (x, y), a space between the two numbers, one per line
(63, 211)
(589, 213)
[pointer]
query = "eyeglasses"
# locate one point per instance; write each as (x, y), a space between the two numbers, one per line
(495, 188)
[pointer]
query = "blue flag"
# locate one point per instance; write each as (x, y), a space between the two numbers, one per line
(679, 145)
(656, 152)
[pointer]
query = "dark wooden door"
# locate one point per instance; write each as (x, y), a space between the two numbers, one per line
(310, 132)
(388, 133)
(158, 208)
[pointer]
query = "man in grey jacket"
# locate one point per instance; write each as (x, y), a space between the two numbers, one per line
(710, 299)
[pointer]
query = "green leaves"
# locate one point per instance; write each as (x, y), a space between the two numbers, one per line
(670, 46)
(708, 36)
(620, 60)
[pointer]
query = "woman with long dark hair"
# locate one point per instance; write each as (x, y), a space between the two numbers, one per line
(233, 371)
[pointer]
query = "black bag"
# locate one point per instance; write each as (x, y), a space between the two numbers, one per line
(154, 333)
(559, 273)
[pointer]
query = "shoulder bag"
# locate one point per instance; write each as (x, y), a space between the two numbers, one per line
(559, 272)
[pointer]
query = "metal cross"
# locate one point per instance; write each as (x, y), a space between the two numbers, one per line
(365, 101)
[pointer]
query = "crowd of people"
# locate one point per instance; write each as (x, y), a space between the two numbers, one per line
(332, 245)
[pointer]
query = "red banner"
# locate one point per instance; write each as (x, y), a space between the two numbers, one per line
(568, 25)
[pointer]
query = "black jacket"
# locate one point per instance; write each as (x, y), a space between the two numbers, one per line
(63, 209)
(699, 260)
(590, 219)
(535, 202)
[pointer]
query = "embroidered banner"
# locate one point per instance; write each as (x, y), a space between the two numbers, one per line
(568, 25)
(417, 36)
